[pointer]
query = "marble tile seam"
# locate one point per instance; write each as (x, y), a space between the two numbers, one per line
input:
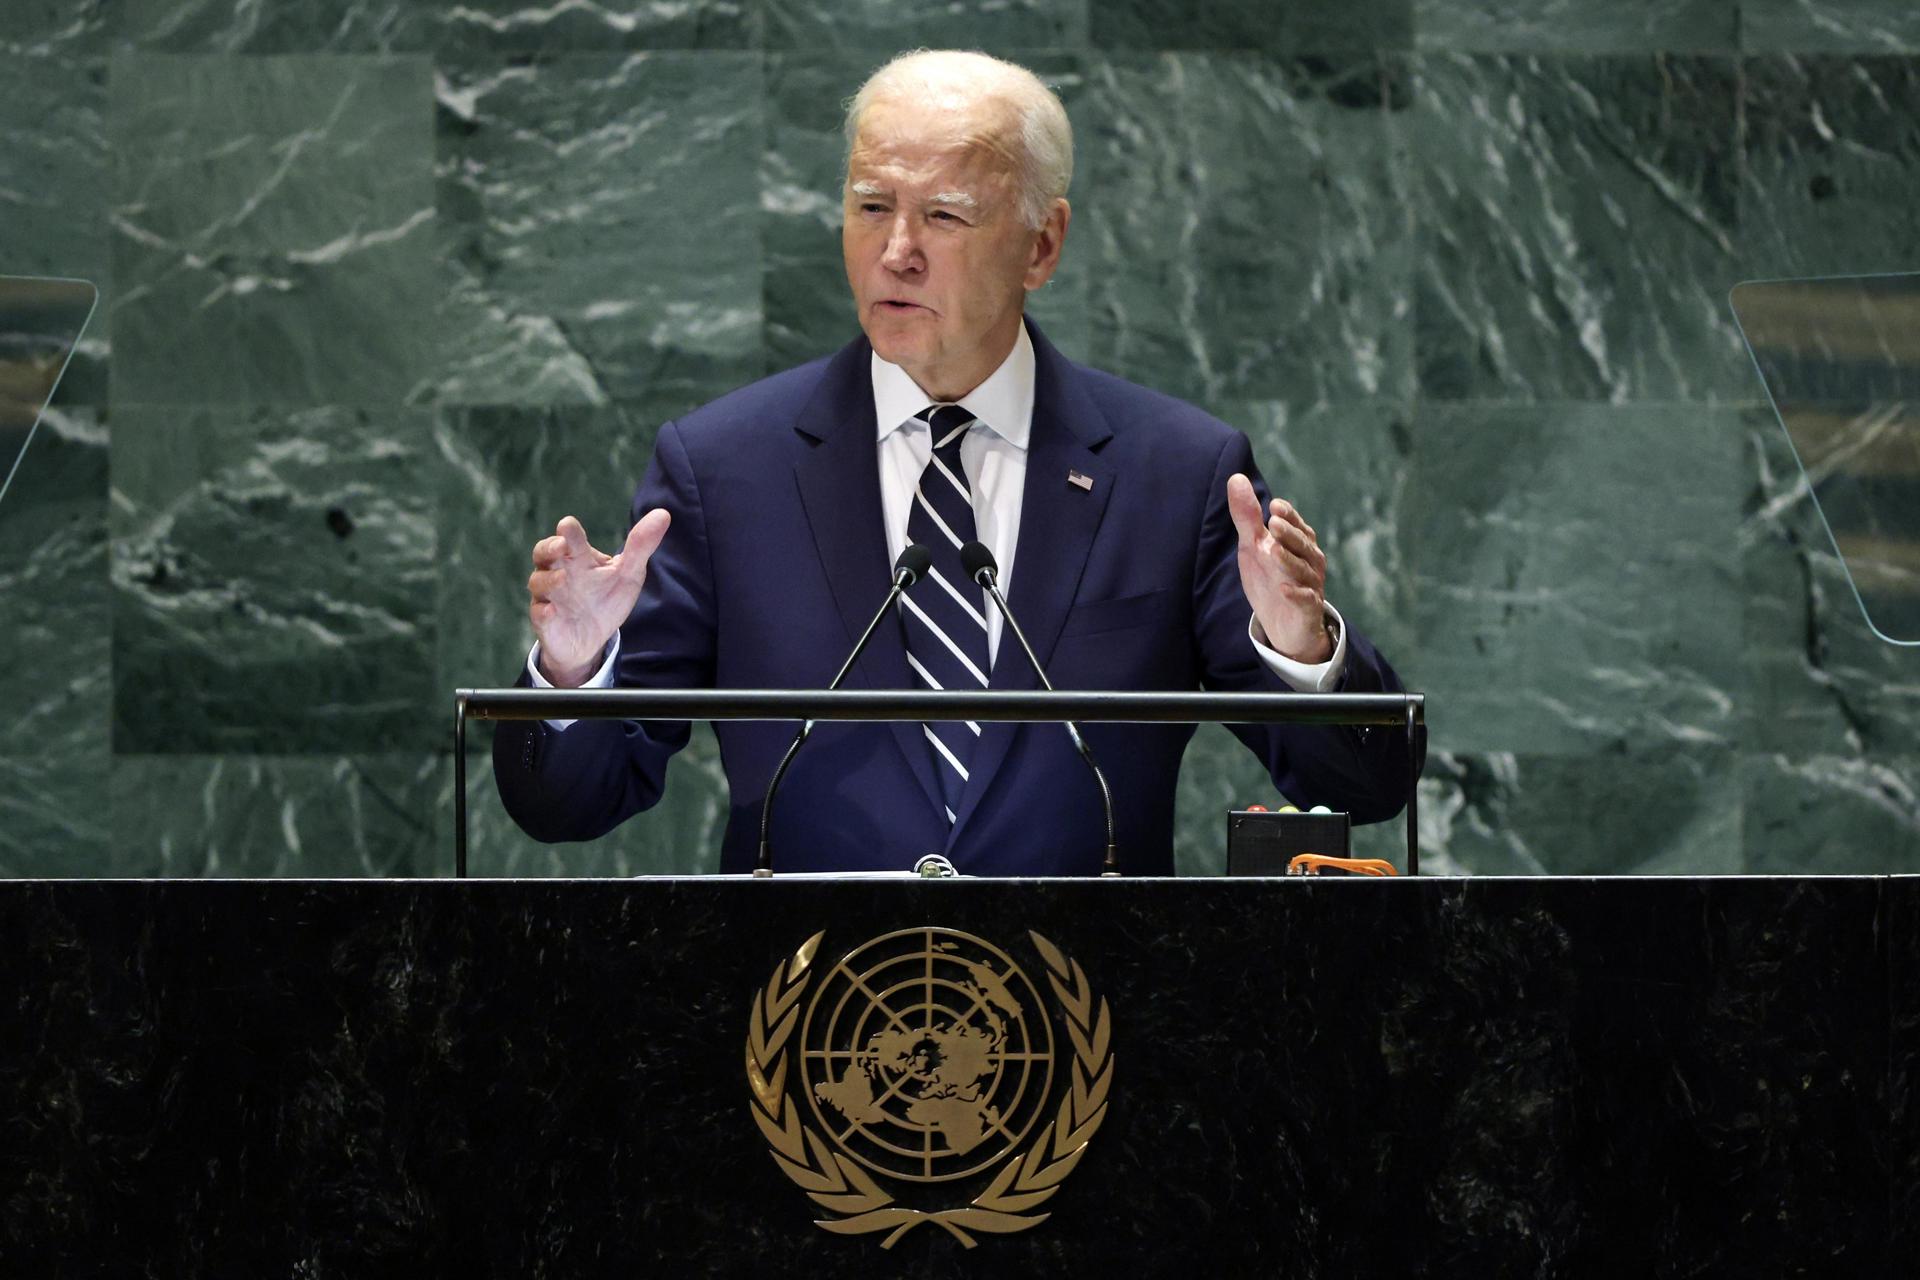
(1075, 34)
(1305, 402)
(1548, 403)
(1313, 62)
(837, 53)
(416, 755)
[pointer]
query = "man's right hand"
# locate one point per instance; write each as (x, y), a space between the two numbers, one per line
(581, 596)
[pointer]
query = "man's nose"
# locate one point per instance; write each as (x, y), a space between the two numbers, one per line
(903, 251)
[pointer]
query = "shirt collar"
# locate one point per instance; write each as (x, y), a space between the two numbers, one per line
(1003, 403)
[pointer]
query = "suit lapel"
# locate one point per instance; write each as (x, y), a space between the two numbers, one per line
(839, 479)
(1058, 522)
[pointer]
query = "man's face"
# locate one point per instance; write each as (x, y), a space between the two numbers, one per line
(937, 254)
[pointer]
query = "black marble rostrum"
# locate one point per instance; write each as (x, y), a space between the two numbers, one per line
(1541, 1077)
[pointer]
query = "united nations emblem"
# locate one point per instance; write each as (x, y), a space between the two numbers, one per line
(922, 1060)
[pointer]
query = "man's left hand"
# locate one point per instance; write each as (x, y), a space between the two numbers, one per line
(1284, 573)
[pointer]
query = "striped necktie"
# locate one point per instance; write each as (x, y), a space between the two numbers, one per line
(946, 622)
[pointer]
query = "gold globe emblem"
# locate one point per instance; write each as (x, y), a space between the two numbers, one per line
(926, 1054)
(926, 1057)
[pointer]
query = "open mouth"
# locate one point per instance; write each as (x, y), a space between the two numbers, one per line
(899, 308)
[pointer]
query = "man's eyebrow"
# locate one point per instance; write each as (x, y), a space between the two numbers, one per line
(960, 198)
(867, 188)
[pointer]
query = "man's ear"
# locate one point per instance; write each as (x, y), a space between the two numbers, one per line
(1048, 243)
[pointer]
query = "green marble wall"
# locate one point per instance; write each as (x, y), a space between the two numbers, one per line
(388, 286)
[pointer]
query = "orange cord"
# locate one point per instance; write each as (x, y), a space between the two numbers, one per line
(1311, 864)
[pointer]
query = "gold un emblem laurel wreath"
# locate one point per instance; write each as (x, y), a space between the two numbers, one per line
(926, 1056)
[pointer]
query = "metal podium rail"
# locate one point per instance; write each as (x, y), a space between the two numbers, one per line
(1406, 710)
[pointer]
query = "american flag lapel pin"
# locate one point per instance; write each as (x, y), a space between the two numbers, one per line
(1079, 481)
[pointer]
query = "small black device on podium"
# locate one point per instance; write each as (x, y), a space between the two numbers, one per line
(1263, 843)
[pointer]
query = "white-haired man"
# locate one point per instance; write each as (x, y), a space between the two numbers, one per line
(1133, 538)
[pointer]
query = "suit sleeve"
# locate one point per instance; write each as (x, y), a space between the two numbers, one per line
(581, 782)
(1365, 771)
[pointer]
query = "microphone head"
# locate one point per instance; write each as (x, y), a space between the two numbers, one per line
(913, 564)
(978, 562)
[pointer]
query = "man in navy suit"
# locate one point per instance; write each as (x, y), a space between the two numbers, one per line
(1136, 544)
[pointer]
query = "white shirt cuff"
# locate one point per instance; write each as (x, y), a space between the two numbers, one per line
(601, 679)
(1304, 677)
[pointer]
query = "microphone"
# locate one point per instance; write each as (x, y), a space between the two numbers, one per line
(907, 570)
(980, 566)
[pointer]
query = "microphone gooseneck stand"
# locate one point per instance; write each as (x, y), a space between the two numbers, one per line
(979, 563)
(907, 570)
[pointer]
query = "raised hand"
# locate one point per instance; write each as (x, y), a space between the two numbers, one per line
(1284, 573)
(581, 596)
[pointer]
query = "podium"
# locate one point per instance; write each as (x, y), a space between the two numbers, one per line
(1304, 1077)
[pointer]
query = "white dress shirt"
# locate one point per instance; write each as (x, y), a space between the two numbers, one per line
(994, 456)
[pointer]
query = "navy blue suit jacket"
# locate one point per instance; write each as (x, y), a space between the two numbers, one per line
(777, 558)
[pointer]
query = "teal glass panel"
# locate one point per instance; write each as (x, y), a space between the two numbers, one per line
(1841, 361)
(40, 323)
